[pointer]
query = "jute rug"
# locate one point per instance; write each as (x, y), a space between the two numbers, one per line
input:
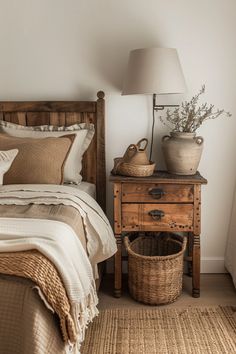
(163, 331)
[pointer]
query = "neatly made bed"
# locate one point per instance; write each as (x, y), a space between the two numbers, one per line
(66, 113)
(52, 237)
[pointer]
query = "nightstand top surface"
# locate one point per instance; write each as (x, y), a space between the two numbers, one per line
(162, 177)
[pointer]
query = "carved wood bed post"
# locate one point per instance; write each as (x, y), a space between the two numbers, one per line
(101, 159)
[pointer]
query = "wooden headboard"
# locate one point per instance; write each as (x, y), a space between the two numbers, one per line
(68, 113)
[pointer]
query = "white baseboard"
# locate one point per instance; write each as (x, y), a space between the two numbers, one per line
(213, 265)
(208, 265)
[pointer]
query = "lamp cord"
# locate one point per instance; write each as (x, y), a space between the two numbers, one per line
(153, 125)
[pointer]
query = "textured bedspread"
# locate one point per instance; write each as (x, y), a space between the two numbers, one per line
(41, 334)
(26, 325)
(33, 265)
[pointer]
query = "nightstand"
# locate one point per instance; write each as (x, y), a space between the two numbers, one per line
(162, 202)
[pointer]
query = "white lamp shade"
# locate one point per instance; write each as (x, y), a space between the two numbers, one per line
(154, 70)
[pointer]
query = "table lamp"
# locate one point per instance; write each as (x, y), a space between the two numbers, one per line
(155, 71)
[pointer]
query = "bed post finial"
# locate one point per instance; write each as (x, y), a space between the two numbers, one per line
(101, 94)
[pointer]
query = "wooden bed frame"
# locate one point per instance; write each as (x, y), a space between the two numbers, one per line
(68, 113)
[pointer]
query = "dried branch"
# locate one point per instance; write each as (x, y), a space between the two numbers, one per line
(189, 116)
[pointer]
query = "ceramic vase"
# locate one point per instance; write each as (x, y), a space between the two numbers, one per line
(182, 152)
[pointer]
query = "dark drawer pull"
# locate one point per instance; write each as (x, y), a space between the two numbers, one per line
(156, 214)
(156, 193)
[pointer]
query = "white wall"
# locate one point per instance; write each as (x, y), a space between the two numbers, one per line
(69, 49)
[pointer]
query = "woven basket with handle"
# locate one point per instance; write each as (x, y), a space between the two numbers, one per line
(136, 154)
(135, 162)
(155, 266)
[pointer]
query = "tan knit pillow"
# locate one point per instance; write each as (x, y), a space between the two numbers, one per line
(84, 133)
(39, 161)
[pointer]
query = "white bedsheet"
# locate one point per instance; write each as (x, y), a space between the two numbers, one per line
(87, 187)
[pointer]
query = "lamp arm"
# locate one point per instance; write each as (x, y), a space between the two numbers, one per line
(153, 124)
(156, 107)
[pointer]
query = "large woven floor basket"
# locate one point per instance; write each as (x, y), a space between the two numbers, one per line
(155, 267)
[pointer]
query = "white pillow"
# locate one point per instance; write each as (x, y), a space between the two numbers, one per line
(6, 159)
(84, 133)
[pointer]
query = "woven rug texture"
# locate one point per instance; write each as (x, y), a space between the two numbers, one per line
(188, 330)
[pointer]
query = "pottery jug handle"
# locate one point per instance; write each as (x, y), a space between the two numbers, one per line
(130, 151)
(165, 137)
(140, 142)
(132, 147)
(199, 140)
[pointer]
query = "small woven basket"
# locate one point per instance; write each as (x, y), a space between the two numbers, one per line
(128, 169)
(135, 162)
(155, 267)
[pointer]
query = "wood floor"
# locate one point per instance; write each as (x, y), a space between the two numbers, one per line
(216, 289)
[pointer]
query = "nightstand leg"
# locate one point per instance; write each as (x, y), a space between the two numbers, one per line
(118, 267)
(196, 266)
(190, 254)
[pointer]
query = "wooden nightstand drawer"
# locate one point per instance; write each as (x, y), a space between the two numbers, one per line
(150, 217)
(152, 192)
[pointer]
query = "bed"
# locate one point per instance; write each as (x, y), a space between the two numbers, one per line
(40, 279)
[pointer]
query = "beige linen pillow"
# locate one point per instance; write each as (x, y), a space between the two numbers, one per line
(6, 159)
(83, 136)
(39, 161)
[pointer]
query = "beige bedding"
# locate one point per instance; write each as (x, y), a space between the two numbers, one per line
(41, 271)
(56, 203)
(64, 213)
(26, 325)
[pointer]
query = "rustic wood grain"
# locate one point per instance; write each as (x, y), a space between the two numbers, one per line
(172, 193)
(14, 117)
(57, 119)
(162, 177)
(197, 209)
(190, 254)
(100, 138)
(178, 217)
(33, 118)
(118, 267)
(196, 266)
(117, 229)
(90, 156)
(21, 118)
(117, 207)
(73, 118)
(48, 106)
